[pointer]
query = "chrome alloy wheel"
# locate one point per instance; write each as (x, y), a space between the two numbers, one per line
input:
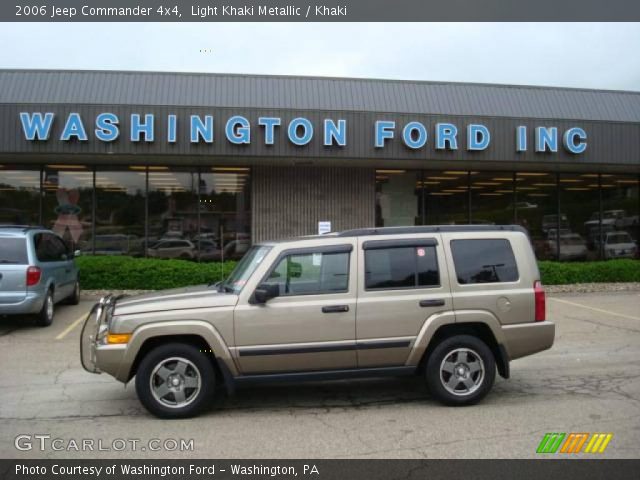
(462, 372)
(175, 382)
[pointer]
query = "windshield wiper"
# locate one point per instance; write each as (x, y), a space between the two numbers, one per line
(12, 262)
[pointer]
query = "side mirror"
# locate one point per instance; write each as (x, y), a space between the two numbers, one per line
(265, 292)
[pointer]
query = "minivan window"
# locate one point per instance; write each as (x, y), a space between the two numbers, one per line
(484, 261)
(311, 273)
(13, 251)
(49, 248)
(401, 267)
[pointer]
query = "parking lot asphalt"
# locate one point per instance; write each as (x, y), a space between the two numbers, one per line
(588, 382)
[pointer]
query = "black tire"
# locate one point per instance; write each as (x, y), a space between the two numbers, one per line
(161, 356)
(464, 350)
(44, 317)
(74, 298)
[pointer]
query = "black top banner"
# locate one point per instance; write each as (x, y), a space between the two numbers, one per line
(319, 11)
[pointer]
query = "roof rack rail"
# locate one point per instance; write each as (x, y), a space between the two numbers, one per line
(359, 232)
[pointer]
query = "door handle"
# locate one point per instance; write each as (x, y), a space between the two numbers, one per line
(432, 303)
(335, 309)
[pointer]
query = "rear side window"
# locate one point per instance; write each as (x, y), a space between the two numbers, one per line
(49, 248)
(13, 251)
(401, 267)
(484, 261)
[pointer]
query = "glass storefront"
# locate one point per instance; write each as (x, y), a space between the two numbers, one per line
(156, 211)
(446, 197)
(120, 212)
(67, 203)
(205, 214)
(580, 216)
(19, 195)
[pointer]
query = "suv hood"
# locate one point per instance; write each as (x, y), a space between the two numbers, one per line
(201, 296)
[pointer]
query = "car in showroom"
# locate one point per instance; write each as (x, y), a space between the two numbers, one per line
(451, 304)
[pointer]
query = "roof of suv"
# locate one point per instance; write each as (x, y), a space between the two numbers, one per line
(364, 232)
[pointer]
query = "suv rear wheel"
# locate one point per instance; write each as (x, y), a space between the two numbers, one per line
(175, 380)
(460, 370)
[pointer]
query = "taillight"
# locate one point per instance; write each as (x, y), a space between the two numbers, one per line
(541, 307)
(33, 276)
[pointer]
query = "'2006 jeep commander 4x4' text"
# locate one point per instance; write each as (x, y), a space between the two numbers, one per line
(451, 303)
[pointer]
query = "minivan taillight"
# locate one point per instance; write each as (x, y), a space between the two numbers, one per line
(33, 276)
(541, 307)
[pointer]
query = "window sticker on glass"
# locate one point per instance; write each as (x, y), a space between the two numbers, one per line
(317, 259)
(421, 252)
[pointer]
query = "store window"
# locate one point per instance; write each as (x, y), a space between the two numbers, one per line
(536, 209)
(173, 213)
(19, 195)
(225, 213)
(67, 204)
(120, 211)
(398, 198)
(492, 198)
(447, 196)
(579, 223)
(620, 216)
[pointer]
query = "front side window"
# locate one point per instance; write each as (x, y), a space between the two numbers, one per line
(484, 261)
(401, 267)
(311, 273)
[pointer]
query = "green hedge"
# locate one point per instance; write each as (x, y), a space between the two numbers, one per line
(120, 272)
(103, 272)
(563, 273)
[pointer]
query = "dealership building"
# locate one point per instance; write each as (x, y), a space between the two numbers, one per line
(200, 166)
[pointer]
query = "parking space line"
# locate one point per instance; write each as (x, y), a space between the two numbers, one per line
(73, 325)
(599, 310)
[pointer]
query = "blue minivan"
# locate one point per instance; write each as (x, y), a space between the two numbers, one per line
(37, 270)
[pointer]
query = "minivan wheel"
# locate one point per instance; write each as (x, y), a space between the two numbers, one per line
(175, 380)
(74, 298)
(460, 370)
(44, 317)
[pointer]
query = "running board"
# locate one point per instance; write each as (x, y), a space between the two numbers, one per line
(325, 375)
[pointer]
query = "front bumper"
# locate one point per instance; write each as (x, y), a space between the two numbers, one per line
(525, 339)
(32, 303)
(95, 356)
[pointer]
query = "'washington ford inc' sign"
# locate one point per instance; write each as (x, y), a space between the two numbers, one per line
(300, 131)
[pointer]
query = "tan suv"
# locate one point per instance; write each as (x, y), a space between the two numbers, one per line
(452, 303)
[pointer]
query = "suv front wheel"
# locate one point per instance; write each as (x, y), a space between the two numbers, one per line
(175, 380)
(460, 370)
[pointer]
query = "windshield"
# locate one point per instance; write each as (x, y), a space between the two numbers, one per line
(244, 269)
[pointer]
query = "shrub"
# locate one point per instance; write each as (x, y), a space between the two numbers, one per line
(121, 272)
(561, 273)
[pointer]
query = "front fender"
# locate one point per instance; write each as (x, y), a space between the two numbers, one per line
(169, 328)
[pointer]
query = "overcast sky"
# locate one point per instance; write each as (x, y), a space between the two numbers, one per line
(596, 55)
